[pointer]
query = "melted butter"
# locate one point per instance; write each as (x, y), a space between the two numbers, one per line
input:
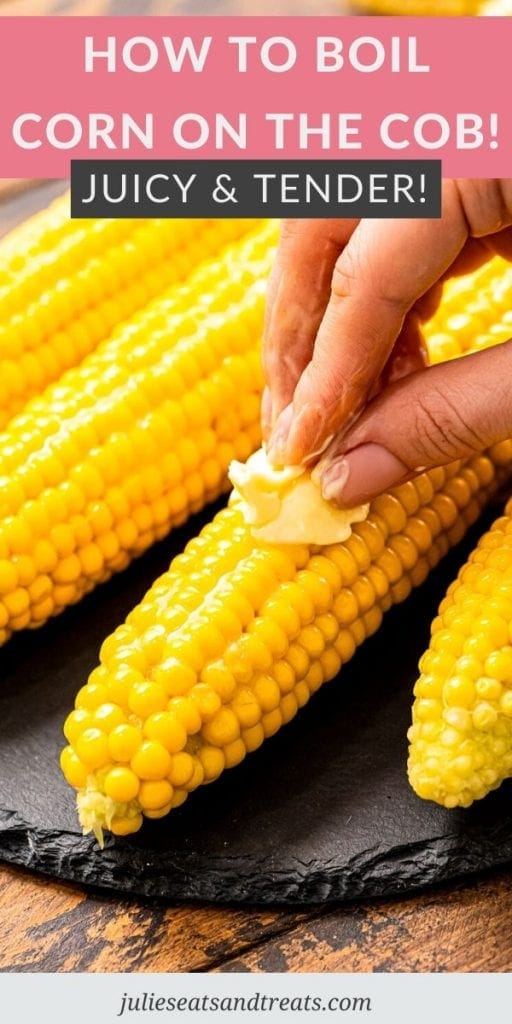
(285, 506)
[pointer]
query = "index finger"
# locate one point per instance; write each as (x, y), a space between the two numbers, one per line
(383, 270)
(297, 294)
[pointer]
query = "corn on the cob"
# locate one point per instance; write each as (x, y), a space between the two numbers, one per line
(65, 284)
(461, 736)
(236, 636)
(134, 439)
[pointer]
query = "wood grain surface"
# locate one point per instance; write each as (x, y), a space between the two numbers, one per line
(16, 207)
(45, 926)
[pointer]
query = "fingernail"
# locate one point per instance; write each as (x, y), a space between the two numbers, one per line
(362, 474)
(297, 438)
(306, 435)
(276, 448)
(322, 465)
(334, 479)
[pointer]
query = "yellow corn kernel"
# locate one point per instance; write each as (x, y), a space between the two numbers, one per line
(76, 722)
(121, 784)
(74, 770)
(92, 747)
(126, 826)
(123, 742)
(152, 796)
(213, 761)
(182, 769)
(166, 727)
(151, 761)
(146, 698)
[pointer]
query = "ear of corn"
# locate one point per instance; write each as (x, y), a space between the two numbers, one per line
(132, 441)
(461, 737)
(64, 285)
(236, 637)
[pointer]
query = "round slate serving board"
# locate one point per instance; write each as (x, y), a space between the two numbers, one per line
(322, 811)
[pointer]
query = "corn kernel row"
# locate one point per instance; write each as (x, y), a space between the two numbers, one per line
(461, 736)
(58, 302)
(47, 248)
(37, 250)
(133, 440)
(461, 324)
(236, 637)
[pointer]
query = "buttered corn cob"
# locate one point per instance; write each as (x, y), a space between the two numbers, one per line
(64, 285)
(126, 445)
(236, 637)
(461, 736)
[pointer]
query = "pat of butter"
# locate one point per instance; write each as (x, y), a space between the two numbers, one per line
(285, 506)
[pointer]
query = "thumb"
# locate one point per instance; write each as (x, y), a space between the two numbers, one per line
(430, 418)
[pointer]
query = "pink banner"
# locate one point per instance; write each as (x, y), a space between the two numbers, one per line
(362, 88)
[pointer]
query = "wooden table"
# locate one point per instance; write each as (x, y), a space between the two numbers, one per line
(47, 926)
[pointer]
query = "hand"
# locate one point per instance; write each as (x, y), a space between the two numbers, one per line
(344, 312)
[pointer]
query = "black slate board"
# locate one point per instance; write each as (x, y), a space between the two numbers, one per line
(321, 812)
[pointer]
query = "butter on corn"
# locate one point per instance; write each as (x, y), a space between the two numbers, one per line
(65, 284)
(461, 736)
(285, 505)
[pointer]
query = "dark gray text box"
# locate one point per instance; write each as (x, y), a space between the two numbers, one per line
(256, 188)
